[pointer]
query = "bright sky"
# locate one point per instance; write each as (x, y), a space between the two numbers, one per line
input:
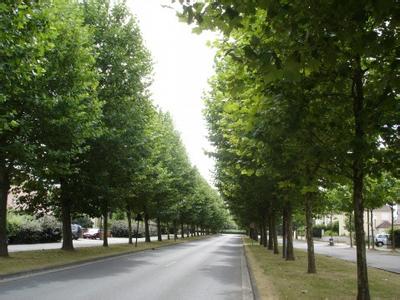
(182, 65)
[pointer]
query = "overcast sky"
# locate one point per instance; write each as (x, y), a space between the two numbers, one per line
(182, 65)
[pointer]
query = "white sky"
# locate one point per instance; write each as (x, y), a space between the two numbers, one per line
(182, 65)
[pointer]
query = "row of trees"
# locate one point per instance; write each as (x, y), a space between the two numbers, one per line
(78, 132)
(305, 99)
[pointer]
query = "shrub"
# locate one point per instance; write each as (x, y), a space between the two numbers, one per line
(24, 229)
(119, 228)
(83, 220)
(330, 233)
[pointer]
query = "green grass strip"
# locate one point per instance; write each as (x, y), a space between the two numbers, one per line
(336, 279)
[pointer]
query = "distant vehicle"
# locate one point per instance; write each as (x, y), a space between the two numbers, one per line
(76, 231)
(92, 233)
(381, 239)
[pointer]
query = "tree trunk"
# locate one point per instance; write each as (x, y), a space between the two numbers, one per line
(393, 237)
(129, 217)
(197, 230)
(270, 233)
(265, 233)
(284, 233)
(368, 243)
(358, 179)
(66, 222)
(4, 189)
(372, 229)
(175, 231)
(105, 227)
(146, 227)
(159, 237)
(182, 231)
(168, 235)
(274, 234)
(289, 234)
(351, 229)
(137, 232)
(187, 231)
(311, 267)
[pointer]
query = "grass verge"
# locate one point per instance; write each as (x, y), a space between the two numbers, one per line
(28, 261)
(336, 279)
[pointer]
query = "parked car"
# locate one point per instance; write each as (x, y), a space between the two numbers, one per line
(76, 231)
(92, 233)
(382, 239)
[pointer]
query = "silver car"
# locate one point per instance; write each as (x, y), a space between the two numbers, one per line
(381, 239)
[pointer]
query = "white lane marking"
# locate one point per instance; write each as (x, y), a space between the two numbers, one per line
(170, 264)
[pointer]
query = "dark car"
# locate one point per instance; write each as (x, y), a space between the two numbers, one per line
(76, 231)
(92, 233)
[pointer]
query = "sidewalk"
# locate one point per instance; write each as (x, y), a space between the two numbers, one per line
(77, 243)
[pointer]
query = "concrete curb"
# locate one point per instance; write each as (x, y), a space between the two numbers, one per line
(85, 262)
(256, 293)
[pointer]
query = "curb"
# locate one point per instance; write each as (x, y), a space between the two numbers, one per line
(84, 262)
(256, 294)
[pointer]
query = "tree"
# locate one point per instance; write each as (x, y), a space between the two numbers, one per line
(124, 66)
(357, 55)
(61, 108)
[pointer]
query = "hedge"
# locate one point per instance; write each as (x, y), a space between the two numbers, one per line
(24, 229)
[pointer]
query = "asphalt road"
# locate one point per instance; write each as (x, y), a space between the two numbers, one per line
(381, 259)
(208, 269)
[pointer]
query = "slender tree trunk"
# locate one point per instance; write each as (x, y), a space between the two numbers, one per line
(393, 237)
(168, 235)
(289, 234)
(284, 232)
(197, 230)
(358, 179)
(129, 217)
(4, 189)
(146, 227)
(105, 227)
(368, 243)
(187, 231)
(372, 229)
(137, 231)
(182, 231)
(159, 237)
(265, 233)
(66, 221)
(311, 267)
(274, 234)
(351, 229)
(270, 233)
(175, 231)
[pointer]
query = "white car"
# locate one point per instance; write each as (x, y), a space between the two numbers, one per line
(381, 239)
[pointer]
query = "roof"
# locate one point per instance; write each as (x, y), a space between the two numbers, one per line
(384, 224)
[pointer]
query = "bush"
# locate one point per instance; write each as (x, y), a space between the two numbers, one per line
(24, 229)
(330, 233)
(83, 220)
(119, 228)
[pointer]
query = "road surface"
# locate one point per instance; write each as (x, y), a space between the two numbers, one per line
(208, 269)
(380, 259)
